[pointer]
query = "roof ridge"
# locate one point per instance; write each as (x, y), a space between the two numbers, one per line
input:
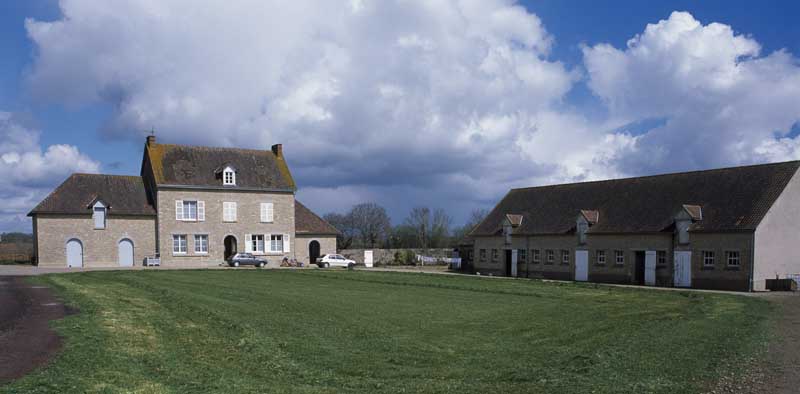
(218, 148)
(107, 175)
(707, 170)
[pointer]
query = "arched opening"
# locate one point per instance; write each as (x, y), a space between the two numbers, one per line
(313, 252)
(230, 247)
(74, 253)
(125, 253)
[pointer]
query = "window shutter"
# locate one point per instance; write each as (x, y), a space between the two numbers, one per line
(263, 212)
(286, 248)
(248, 243)
(201, 211)
(233, 211)
(178, 209)
(270, 212)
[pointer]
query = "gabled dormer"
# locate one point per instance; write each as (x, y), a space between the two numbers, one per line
(687, 215)
(586, 219)
(226, 173)
(510, 224)
(99, 212)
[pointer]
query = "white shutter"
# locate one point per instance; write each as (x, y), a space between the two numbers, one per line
(178, 209)
(233, 211)
(269, 212)
(201, 211)
(286, 248)
(263, 212)
(248, 243)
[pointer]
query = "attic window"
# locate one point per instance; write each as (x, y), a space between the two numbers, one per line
(228, 177)
(99, 215)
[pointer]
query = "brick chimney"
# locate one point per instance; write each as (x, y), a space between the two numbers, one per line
(151, 140)
(277, 149)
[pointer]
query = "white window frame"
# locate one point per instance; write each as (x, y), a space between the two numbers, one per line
(565, 256)
(619, 257)
(228, 177)
(183, 207)
(267, 213)
(709, 258)
(482, 254)
(661, 257)
(600, 256)
(254, 242)
(522, 255)
(199, 247)
(495, 255)
(276, 243)
(733, 255)
(229, 211)
(535, 256)
(182, 247)
(551, 256)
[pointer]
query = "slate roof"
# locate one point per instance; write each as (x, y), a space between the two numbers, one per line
(731, 199)
(198, 166)
(307, 222)
(124, 195)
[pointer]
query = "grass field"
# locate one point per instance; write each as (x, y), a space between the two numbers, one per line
(340, 331)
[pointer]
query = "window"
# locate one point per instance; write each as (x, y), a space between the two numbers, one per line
(619, 257)
(733, 258)
(551, 256)
(229, 177)
(228, 211)
(99, 216)
(565, 256)
(661, 257)
(535, 256)
(482, 254)
(276, 243)
(179, 244)
(201, 244)
(267, 209)
(257, 242)
(495, 255)
(708, 258)
(190, 210)
(601, 257)
(522, 255)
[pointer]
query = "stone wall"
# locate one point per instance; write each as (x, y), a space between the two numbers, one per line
(387, 256)
(327, 245)
(100, 246)
(248, 221)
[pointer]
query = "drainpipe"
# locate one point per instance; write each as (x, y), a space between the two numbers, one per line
(752, 260)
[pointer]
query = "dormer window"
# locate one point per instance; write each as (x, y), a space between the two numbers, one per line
(99, 215)
(228, 177)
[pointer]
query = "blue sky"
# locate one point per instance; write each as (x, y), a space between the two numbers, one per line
(447, 126)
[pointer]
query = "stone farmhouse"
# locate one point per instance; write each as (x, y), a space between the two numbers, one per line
(730, 228)
(192, 206)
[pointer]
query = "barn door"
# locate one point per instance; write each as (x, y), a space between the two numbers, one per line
(74, 253)
(650, 268)
(581, 265)
(125, 253)
(683, 269)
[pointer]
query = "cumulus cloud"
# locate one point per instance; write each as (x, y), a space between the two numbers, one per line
(426, 96)
(30, 173)
(722, 102)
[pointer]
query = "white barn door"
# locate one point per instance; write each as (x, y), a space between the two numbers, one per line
(581, 265)
(74, 253)
(650, 268)
(514, 263)
(125, 253)
(683, 269)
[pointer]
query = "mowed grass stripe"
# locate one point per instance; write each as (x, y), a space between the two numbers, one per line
(342, 331)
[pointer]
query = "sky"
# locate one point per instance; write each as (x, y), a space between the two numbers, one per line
(445, 104)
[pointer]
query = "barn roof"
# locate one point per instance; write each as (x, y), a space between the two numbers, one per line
(727, 199)
(198, 166)
(123, 195)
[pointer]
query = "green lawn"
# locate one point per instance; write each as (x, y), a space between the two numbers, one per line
(340, 331)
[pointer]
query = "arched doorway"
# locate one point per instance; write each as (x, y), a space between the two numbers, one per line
(313, 252)
(74, 253)
(125, 253)
(230, 247)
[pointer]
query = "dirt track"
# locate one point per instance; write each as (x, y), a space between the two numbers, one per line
(26, 340)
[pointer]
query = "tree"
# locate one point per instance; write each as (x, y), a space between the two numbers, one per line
(371, 223)
(440, 229)
(343, 223)
(420, 220)
(475, 218)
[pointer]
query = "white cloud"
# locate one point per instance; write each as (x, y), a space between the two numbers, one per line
(29, 173)
(723, 102)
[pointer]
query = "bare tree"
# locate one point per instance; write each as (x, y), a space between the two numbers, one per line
(371, 223)
(440, 228)
(420, 220)
(475, 218)
(343, 223)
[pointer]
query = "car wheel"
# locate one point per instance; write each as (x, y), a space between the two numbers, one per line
(261, 265)
(326, 265)
(236, 264)
(350, 266)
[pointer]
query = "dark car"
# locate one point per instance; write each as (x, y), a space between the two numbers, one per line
(246, 259)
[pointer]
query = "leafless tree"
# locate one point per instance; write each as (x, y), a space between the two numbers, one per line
(343, 223)
(420, 220)
(440, 228)
(371, 223)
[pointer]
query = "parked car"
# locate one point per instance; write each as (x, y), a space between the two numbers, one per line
(246, 259)
(334, 260)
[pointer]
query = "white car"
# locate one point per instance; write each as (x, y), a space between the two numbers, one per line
(334, 260)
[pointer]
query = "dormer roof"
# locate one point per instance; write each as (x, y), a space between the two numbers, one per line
(591, 216)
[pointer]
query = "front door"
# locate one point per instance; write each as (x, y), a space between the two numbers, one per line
(125, 253)
(313, 252)
(230, 247)
(638, 267)
(74, 253)
(683, 269)
(581, 265)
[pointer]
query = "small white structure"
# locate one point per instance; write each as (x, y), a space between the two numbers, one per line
(368, 262)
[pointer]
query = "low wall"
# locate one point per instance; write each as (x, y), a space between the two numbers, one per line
(389, 256)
